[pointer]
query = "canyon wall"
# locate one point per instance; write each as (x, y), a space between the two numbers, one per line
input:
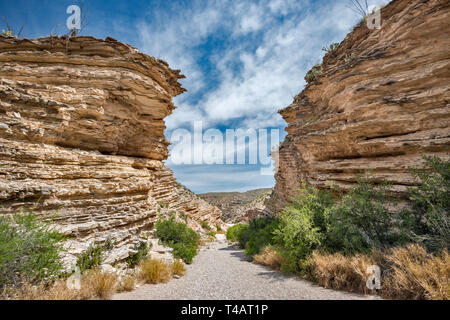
(82, 140)
(381, 101)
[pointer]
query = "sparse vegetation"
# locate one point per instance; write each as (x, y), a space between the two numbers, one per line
(178, 236)
(102, 284)
(332, 237)
(154, 271)
(331, 48)
(90, 258)
(142, 250)
(128, 283)
(29, 250)
(177, 268)
(313, 74)
(205, 225)
(270, 257)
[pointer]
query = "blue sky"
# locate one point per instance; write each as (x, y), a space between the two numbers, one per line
(244, 60)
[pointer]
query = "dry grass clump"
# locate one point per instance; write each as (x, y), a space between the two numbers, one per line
(128, 283)
(407, 272)
(99, 284)
(154, 271)
(416, 274)
(340, 272)
(56, 291)
(178, 268)
(269, 257)
(94, 285)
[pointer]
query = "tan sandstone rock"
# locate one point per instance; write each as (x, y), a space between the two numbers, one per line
(82, 137)
(381, 101)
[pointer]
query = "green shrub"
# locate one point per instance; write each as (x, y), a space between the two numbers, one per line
(238, 233)
(7, 33)
(178, 236)
(361, 220)
(260, 233)
(218, 228)
(428, 218)
(313, 74)
(90, 258)
(333, 47)
(205, 225)
(142, 252)
(212, 234)
(302, 226)
(29, 250)
(185, 252)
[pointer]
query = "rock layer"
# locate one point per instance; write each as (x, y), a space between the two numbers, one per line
(381, 102)
(82, 137)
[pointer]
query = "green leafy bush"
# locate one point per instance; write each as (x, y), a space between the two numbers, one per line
(428, 218)
(302, 226)
(361, 220)
(205, 225)
(90, 258)
(178, 236)
(313, 74)
(260, 233)
(142, 252)
(331, 48)
(238, 233)
(29, 250)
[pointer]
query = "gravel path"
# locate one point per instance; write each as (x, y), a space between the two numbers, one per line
(223, 272)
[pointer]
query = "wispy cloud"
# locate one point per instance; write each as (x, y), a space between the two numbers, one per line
(243, 60)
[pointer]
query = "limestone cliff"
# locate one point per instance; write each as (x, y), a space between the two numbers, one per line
(82, 137)
(381, 101)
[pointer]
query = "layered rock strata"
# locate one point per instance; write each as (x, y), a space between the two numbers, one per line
(82, 139)
(380, 103)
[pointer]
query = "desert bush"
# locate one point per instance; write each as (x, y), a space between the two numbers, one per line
(270, 257)
(205, 225)
(218, 228)
(260, 233)
(361, 220)
(99, 284)
(413, 273)
(127, 283)
(331, 48)
(302, 226)
(90, 258)
(178, 236)
(94, 285)
(154, 271)
(142, 250)
(338, 271)
(39, 291)
(428, 218)
(29, 250)
(313, 74)
(178, 268)
(236, 232)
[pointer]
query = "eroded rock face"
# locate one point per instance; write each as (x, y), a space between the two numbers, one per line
(81, 135)
(381, 102)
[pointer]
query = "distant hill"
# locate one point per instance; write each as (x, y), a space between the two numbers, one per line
(238, 206)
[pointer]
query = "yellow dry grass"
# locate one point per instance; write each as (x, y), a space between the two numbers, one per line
(154, 271)
(416, 274)
(178, 268)
(269, 257)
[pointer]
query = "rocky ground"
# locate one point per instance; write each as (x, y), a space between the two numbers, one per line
(221, 271)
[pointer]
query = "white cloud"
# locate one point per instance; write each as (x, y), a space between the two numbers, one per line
(267, 47)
